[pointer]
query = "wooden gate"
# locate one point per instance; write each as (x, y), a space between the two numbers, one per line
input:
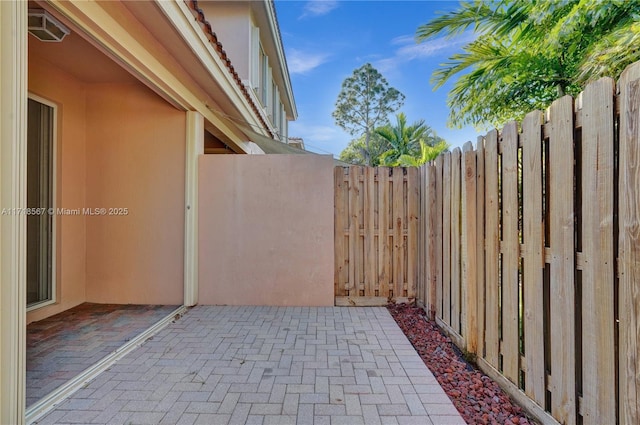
(376, 235)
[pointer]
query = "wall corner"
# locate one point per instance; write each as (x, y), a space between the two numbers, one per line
(194, 148)
(13, 173)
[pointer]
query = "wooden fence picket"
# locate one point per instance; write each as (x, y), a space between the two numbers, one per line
(384, 256)
(354, 229)
(456, 268)
(446, 239)
(492, 250)
(369, 207)
(438, 249)
(431, 232)
(469, 248)
(341, 259)
(480, 250)
(563, 400)
(598, 319)
(398, 240)
(412, 230)
(533, 263)
(629, 245)
(510, 253)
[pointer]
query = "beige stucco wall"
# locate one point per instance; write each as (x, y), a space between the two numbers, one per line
(69, 94)
(232, 24)
(266, 230)
(135, 160)
(118, 145)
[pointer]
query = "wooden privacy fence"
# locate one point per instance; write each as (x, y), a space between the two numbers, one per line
(376, 234)
(531, 254)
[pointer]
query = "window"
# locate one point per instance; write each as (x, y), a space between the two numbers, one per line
(260, 70)
(264, 77)
(283, 124)
(274, 104)
(40, 195)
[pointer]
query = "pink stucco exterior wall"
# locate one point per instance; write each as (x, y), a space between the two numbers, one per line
(135, 160)
(69, 94)
(266, 230)
(118, 145)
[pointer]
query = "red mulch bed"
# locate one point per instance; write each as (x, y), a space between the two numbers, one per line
(478, 399)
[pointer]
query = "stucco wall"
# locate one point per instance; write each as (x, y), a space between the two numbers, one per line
(266, 230)
(135, 160)
(69, 94)
(231, 22)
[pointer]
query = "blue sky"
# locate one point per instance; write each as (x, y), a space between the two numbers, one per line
(326, 40)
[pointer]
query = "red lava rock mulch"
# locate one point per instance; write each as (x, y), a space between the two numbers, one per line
(478, 399)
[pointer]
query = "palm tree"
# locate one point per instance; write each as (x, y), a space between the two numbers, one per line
(409, 143)
(356, 152)
(527, 53)
(427, 153)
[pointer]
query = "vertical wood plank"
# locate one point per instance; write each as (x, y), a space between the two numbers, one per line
(629, 245)
(598, 320)
(354, 230)
(469, 254)
(383, 232)
(422, 241)
(398, 239)
(405, 228)
(533, 274)
(563, 397)
(345, 193)
(480, 235)
(463, 244)
(376, 232)
(423, 247)
(511, 252)
(413, 213)
(455, 239)
(432, 257)
(446, 239)
(341, 261)
(492, 247)
(360, 248)
(438, 248)
(369, 237)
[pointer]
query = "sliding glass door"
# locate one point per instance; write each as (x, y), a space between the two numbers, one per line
(40, 167)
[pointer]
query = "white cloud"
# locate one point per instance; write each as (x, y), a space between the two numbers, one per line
(318, 8)
(430, 48)
(403, 39)
(409, 50)
(302, 62)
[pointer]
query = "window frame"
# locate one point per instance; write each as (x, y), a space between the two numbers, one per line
(263, 86)
(54, 184)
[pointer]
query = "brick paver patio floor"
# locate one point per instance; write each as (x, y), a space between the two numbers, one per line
(63, 345)
(267, 365)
